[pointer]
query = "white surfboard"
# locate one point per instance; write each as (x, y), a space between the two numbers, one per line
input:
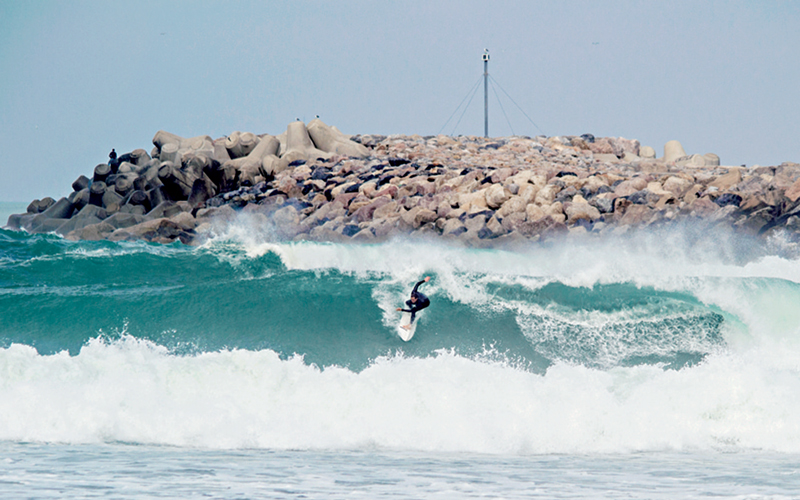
(405, 319)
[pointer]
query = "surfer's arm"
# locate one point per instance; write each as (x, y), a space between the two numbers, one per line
(427, 278)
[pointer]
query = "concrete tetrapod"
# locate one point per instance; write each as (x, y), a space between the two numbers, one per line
(299, 145)
(248, 167)
(332, 141)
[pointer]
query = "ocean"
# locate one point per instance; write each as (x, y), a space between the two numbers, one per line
(660, 364)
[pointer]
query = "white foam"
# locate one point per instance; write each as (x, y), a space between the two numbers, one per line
(135, 391)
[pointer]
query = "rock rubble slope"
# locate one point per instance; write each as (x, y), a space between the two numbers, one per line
(315, 183)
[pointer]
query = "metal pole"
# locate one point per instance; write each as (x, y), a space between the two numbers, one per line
(486, 93)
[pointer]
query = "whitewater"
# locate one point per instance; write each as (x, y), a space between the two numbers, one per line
(644, 365)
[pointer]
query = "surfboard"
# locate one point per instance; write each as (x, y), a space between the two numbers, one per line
(405, 319)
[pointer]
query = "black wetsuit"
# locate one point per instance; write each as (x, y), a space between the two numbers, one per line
(421, 303)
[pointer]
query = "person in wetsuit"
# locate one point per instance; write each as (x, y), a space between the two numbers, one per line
(418, 302)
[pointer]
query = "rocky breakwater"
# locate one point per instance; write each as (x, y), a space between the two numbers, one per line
(314, 183)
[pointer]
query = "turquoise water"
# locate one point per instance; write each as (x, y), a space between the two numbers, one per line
(205, 362)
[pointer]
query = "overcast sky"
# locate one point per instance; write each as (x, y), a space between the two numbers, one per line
(80, 77)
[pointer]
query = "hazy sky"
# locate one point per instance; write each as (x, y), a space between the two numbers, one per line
(80, 77)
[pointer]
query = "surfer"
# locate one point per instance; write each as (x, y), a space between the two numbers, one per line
(418, 302)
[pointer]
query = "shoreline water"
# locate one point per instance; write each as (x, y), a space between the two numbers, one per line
(35, 471)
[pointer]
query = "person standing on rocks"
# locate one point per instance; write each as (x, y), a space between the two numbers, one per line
(417, 302)
(112, 156)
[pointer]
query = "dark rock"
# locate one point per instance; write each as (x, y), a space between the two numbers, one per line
(603, 205)
(350, 230)
(321, 174)
(728, 199)
(588, 138)
(643, 197)
(566, 194)
(396, 162)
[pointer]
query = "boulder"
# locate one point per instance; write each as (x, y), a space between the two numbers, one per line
(185, 221)
(286, 221)
(635, 215)
(728, 180)
(514, 204)
(158, 230)
(676, 185)
(418, 216)
(367, 212)
(785, 175)
(578, 211)
(453, 227)
(496, 195)
(93, 232)
(630, 186)
(495, 227)
(547, 194)
(793, 193)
